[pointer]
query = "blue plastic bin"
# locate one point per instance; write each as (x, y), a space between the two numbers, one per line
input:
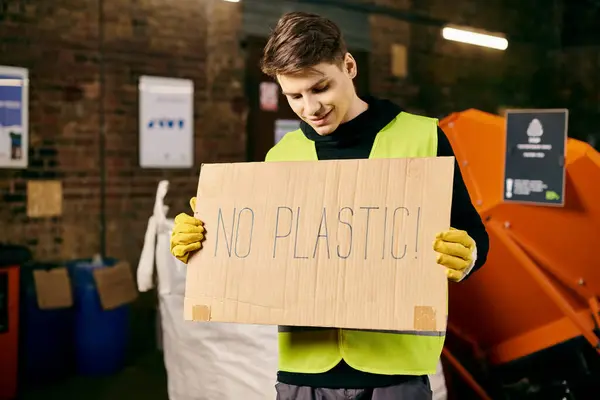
(101, 337)
(46, 335)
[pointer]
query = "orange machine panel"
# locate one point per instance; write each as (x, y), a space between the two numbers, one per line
(541, 282)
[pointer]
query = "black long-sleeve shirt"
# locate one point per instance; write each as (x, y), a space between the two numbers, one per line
(354, 140)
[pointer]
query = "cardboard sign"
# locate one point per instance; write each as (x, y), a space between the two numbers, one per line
(115, 285)
(344, 244)
(53, 288)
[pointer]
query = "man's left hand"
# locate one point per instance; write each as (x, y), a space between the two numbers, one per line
(457, 252)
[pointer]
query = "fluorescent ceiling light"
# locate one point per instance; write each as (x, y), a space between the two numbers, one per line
(474, 38)
(233, 1)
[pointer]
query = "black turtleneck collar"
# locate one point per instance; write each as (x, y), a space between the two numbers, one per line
(354, 139)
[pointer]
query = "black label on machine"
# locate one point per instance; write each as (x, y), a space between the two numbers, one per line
(534, 169)
(3, 302)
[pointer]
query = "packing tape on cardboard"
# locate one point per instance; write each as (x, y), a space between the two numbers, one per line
(201, 313)
(424, 318)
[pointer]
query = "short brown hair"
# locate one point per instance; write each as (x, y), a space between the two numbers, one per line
(302, 40)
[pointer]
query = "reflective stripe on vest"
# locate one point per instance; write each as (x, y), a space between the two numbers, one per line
(285, 328)
(317, 350)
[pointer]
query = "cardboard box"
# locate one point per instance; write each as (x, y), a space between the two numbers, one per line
(345, 243)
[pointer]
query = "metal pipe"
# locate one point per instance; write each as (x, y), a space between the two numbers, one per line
(102, 129)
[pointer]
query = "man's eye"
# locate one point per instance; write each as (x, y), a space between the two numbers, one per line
(321, 89)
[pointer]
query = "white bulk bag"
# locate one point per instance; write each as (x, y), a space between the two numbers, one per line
(204, 361)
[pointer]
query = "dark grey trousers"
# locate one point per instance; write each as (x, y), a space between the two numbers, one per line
(415, 389)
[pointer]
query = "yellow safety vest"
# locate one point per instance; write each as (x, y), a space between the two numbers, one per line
(317, 350)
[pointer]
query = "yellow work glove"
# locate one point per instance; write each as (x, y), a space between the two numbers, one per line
(457, 252)
(187, 235)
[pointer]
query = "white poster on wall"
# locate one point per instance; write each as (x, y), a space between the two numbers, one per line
(14, 117)
(283, 126)
(166, 122)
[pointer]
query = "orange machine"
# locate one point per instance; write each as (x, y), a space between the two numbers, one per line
(540, 286)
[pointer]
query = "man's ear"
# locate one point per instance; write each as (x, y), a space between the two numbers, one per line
(350, 66)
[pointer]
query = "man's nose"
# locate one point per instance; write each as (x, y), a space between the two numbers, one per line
(311, 105)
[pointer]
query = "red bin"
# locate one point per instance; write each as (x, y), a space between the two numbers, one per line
(9, 330)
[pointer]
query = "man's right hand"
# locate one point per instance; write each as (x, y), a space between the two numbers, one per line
(187, 236)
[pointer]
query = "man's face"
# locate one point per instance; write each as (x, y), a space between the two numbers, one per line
(322, 95)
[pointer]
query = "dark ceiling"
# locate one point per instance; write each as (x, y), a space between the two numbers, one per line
(581, 23)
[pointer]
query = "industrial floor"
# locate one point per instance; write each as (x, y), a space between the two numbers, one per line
(143, 377)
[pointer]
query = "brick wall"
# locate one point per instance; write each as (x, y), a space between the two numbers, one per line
(445, 77)
(535, 71)
(60, 44)
(385, 32)
(577, 84)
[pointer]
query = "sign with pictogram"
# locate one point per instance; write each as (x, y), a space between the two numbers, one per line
(534, 166)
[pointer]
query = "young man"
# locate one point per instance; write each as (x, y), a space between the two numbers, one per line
(307, 55)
